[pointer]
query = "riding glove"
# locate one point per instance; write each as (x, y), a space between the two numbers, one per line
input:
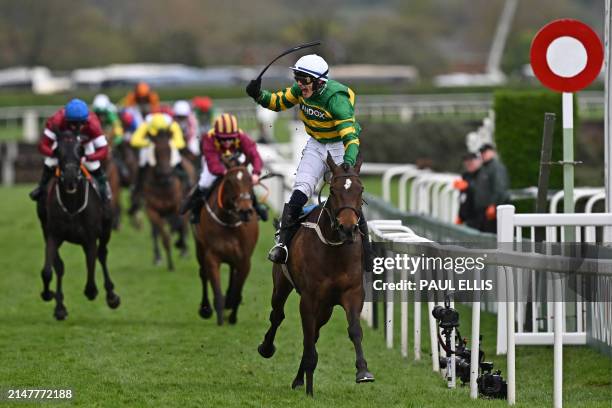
(253, 89)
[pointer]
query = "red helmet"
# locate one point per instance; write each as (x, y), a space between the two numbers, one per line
(202, 103)
(226, 126)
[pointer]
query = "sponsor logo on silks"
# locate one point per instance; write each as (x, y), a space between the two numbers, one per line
(313, 112)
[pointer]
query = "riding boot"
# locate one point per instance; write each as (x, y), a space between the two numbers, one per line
(366, 246)
(41, 189)
(260, 209)
(103, 185)
(137, 190)
(194, 202)
(280, 252)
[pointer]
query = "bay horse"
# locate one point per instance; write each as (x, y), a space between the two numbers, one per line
(121, 167)
(325, 265)
(163, 193)
(227, 233)
(74, 212)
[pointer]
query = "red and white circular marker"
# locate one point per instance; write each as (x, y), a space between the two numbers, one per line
(566, 55)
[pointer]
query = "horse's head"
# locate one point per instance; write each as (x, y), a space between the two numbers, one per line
(69, 152)
(345, 199)
(163, 154)
(235, 193)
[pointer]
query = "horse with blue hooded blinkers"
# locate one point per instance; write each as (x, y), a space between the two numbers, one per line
(74, 212)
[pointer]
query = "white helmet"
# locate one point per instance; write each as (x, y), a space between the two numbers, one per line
(101, 103)
(181, 108)
(313, 65)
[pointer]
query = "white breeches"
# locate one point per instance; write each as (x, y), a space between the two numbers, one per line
(312, 166)
(146, 156)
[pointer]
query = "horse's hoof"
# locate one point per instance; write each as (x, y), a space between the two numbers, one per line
(185, 254)
(232, 319)
(91, 292)
(47, 295)
(170, 268)
(205, 312)
(113, 301)
(364, 377)
(60, 314)
(157, 261)
(220, 321)
(266, 352)
(298, 382)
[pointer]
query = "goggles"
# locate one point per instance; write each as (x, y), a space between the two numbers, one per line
(303, 79)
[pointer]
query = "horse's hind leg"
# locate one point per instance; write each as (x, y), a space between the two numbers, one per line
(112, 299)
(205, 309)
(280, 293)
(309, 329)
(91, 249)
(352, 303)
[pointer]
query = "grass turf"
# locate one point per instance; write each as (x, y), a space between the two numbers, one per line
(156, 351)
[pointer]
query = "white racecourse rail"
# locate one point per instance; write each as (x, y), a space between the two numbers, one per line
(510, 227)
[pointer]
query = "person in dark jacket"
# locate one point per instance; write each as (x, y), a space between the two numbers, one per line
(468, 186)
(497, 184)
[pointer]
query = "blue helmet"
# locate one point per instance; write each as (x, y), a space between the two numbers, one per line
(76, 111)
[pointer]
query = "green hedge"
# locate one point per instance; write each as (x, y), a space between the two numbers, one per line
(519, 124)
(438, 144)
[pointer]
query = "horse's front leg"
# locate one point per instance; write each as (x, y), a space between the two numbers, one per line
(112, 299)
(90, 249)
(352, 302)
(205, 309)
(47, 271)
(155, 221)
(240, 275)
(51, 255)
(212, 265)
(280, 293)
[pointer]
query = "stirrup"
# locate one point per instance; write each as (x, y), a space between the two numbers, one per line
(274, 255)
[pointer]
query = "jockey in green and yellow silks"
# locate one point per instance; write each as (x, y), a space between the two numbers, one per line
(327, 109)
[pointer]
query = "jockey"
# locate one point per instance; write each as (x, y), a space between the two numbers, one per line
(75, 117)
(152, 125)
(143, 98)
(224, 139)
(327, 111)
(189, 125)
(130, 121)
(203, 107)
(107, 114)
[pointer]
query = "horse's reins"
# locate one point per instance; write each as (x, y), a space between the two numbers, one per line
(231, 211)
(85, 201)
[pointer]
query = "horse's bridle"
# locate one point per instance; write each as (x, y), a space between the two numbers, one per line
(333, 213)
(241, 197)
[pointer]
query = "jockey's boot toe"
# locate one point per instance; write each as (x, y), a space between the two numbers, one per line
(278, 254)
(36, 193)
